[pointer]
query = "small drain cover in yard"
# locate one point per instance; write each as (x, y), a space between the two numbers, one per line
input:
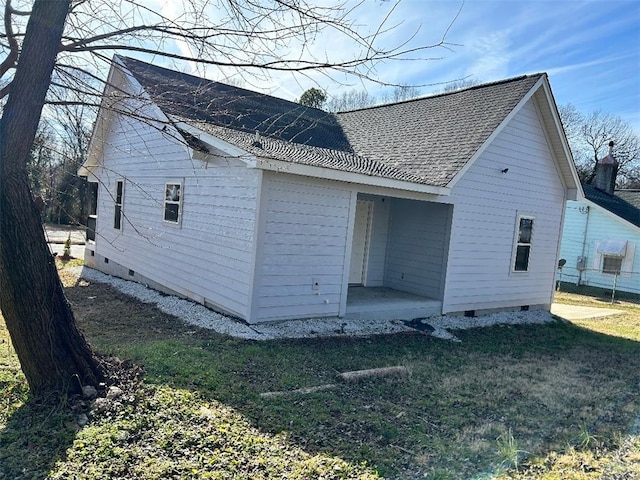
(419, 324)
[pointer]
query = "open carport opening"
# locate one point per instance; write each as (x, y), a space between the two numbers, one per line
(398, 258)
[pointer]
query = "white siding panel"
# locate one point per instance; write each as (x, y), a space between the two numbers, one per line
(487, 203)
(378, 240)
(305, 231)
(209, 255)
(417, 247)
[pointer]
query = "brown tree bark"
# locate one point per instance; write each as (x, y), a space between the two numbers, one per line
(53, 354)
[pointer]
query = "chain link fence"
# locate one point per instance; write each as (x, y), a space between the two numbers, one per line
(623, 283)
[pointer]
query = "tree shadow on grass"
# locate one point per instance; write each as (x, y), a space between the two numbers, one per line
(541, 382)
(35, 436)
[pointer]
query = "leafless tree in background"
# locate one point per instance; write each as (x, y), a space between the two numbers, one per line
(589, 137)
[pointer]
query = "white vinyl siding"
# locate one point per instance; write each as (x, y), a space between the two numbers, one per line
(486, 206)
(301, 267)
(118, 201)
(209, 259)
(417, 247)
(377, 254)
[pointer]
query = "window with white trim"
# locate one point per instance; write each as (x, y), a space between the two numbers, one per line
(613, 257)
(173, 202)
(611, 264)
(118, 200)
(613, 252)
(524, 236)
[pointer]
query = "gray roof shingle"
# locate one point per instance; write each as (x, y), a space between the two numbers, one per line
(434, 137)
(425, 141)
(631, 196)
(205, 101)
(624, 203)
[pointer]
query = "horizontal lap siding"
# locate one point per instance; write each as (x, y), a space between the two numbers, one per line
(305, 229)
(602, 226)
(377, 254)
(487, 203)
(573, 231)
(416, 247)
(209, 256)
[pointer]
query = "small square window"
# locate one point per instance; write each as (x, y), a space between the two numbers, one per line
(172, 202)
(612, 265)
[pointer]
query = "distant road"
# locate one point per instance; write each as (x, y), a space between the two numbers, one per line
(56, 235)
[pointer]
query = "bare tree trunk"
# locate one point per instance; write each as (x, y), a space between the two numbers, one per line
(53, 353)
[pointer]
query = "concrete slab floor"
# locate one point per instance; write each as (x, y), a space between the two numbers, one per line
(578, 312)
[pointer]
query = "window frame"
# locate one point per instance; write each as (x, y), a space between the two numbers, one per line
(519, 244)
(118, 202)
(167, 201)
(617, 258)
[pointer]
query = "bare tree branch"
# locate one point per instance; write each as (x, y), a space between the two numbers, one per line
(10, 61)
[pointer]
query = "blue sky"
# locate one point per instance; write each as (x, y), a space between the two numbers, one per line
(590, 49)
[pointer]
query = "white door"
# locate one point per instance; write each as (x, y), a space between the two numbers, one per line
(360, 245)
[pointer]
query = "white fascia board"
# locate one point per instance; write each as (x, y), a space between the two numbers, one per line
(96, 142)
(494, 134)
(574, 190)
(610, 214)
(350, 177)
(220, 148)
(226, 149)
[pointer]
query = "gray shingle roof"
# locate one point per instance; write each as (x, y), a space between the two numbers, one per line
(277, 149)
(631, 196)
(624, 203)
(425, 141)
(434, 137)
(205, 101)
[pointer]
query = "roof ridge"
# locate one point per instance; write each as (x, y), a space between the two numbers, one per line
(444, 94)
(427, 142)
(171, 72)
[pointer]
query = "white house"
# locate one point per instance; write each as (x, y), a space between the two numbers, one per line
(601, 234)
(268, 210)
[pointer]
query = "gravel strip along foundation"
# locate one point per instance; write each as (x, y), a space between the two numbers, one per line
(200, 316)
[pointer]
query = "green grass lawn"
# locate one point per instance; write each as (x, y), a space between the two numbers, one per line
(557, 401)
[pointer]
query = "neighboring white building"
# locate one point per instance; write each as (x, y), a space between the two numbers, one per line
(601, 234)
(269, 210)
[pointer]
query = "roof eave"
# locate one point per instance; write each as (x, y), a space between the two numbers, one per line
(610, 214)
(349, 177)
(568, 172)
(221, 148)
(218, 147)
(96, 141)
